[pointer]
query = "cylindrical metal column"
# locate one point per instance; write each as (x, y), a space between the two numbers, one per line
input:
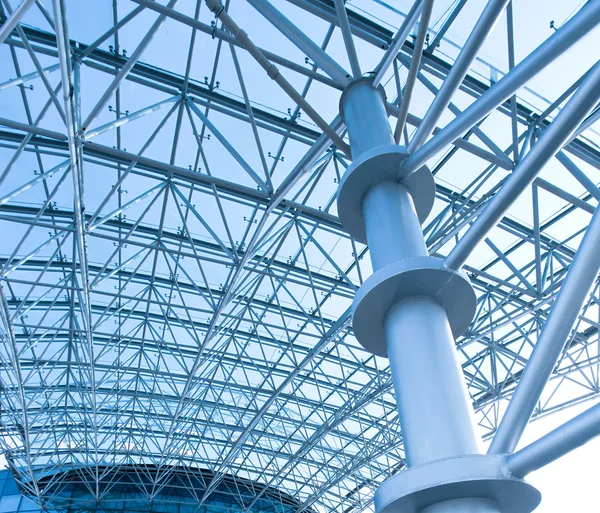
(366, 118)
(391, 222)
(431, 394)
(392, 225)
(433, 404)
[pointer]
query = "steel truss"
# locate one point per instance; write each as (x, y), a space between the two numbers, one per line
(177, 286)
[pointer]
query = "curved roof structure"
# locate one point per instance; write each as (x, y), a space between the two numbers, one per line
(176, 283)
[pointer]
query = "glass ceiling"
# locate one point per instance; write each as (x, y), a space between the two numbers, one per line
(176, 284)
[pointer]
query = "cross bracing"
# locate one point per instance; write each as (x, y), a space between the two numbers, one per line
(176, 282)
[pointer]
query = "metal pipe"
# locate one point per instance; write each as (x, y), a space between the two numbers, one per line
(414, 68)
(135, 56)
(431, 394)
(226, 36)
(273, 72)
(551, 141)
(440, 35)
(70, 90)
(32, 129)
(579, 175)
(41, 74)
(567, 305)
(430, 388)
(362, 102)
(347, 35)
(368, 128)
(562, 440)
(228, 146)
(562, 194)
(588, 122)
(14, 19)
(498, 155)
(304, 43)
(457, 73)
(130, 117)
(306, 163)
(41, 176)
(401, 239)
(25, 78)
(398, 41)
(570, 33)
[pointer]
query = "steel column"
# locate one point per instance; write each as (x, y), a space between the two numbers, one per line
(407, 311)
(431, 394)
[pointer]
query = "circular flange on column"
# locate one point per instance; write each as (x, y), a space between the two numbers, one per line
(411, 277)
(472, 476)
(373, 166)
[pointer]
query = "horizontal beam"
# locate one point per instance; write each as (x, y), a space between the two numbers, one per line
(24, 127)
(235, 192)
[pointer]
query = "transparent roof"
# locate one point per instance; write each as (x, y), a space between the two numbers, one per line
(176, 282)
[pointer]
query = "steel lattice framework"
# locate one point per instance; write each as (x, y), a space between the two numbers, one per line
(176, 284)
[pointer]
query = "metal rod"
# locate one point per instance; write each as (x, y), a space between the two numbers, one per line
(273, 73)
(41, 73)
(440, 35)
(135, 56)
(70, 91)
(501, 157)
(561, 193)
(510, 36)
(32, 129)
(14, 19)
(570, 33)
(25, 78)
(347, 35)
(112, 30)
(306, 163)
(304, 43)
(414, 69)
(581, 177)
(398, 41)
(458, 72)
(226, 36)
(562, 440)
(428, 380)
(551, 141)
(130, 117)
(588, 122)
(228, 146)
(41, 176)
(567, 305)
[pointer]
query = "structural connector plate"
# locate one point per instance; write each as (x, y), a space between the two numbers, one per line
(472, 476)
(417, 276)
(377, 165)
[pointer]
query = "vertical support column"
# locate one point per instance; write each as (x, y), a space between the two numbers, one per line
(412, 307)
(433, 403)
